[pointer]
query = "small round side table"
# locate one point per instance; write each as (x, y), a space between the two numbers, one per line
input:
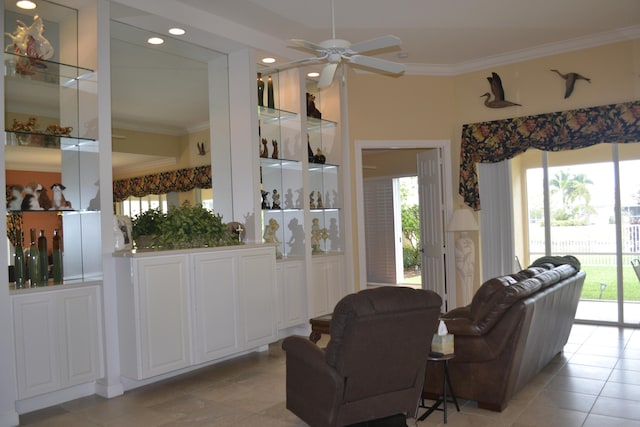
(447, 389)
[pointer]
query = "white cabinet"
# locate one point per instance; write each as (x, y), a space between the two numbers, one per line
(292, 295)
(234, 298)
(327, 283)
(218, 302)
(153, 312)
(57, 339)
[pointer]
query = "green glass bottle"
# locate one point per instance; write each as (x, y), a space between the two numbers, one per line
(19, 265)
(34, 260)
(44, 259)
(56, 253)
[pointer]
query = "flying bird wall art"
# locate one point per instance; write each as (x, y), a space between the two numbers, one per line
(498, 100)
(570, 81)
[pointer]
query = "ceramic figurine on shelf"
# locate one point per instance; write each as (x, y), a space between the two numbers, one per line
(316, 234)
(319, 157)
(30, 41)
(275, 204)
(59, 202)
(270, 235)
(309, 150)
(274, 154)
(265, 200)
(312, 202)
(319, 204)
(265, 151)
(312, 111)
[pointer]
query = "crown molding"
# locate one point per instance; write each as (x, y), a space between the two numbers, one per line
(580, 43)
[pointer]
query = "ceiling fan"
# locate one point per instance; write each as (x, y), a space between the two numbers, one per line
(334, 51)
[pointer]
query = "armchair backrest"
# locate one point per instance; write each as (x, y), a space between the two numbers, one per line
(380, 339)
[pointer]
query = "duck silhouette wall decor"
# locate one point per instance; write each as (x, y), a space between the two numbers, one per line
(570, 81)
(498, 100)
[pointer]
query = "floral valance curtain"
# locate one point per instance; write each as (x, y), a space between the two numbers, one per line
(163, 182)
(491, 142)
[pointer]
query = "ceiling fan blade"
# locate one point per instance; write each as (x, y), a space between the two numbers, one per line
(326, 76)
(304, 44)
(376, 63)
(375, 44)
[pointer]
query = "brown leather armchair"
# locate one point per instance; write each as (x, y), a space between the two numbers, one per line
(374, 363)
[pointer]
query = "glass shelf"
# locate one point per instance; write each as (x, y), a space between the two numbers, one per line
(33, 69)
(316, 124)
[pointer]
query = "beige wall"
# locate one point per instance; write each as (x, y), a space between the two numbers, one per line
(423, 107)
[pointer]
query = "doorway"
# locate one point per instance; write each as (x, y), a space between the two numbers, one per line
(441, 267)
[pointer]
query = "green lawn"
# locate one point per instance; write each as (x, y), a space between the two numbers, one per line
(597, 275)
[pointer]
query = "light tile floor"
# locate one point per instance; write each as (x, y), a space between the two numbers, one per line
(595, 382)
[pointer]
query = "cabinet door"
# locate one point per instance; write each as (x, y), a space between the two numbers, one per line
(36, 340)
(327, 286)
(80, 335)
(291, 286)
(216, 302)
(163, 298)
(258, 296)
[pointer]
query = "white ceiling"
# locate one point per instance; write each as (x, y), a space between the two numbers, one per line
(439, 37)
(449, 35)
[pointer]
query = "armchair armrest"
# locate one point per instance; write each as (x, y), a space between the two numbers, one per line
(313, 387)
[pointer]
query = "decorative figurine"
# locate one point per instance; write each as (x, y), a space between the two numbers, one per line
(265, 151)
(319, 201)
(319, 157)
(265, 200)
(312, 202)
(59, 202)
(316, 234)
(498, 100)
(570, 81)
(309, 150)
(30, 41)
(274, 154)
(275, 204)
(270, 236)
(312, 111)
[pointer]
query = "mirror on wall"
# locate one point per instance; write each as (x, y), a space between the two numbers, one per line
(161, 103)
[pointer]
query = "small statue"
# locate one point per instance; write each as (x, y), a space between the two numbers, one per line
(312, 111)
(309, 150)
(265, 151)
(316, 234)
(312, 202)
(319, 204)
(319, 157)
(275, 204)
(270, 236)
(265, 200)
(274, 154)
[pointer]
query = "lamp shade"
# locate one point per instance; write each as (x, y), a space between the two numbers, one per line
(462, 220)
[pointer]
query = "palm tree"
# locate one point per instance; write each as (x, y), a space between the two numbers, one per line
(574, 194)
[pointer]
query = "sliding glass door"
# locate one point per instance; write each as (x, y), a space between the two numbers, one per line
(586, 203)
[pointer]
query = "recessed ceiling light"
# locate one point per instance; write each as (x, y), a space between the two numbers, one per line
(268, 60)
(177, 31)
(313, 74)
(26, 4)
(155, 40)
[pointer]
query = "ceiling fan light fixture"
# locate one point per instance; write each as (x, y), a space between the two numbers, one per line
(313, 74)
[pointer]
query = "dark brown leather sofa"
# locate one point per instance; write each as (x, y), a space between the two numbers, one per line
(374, 364)
(512, 329)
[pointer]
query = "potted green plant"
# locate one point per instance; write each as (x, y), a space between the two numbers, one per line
(145, 227)
(188, 226)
